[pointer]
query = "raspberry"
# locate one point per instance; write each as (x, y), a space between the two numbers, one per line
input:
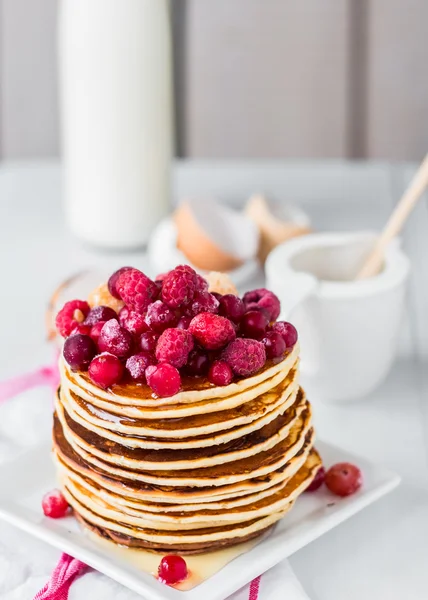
(274, 344)
(254, 324)
(159, 316)
(212, 331)
(133, 321)
(96, 330)
(99, 313)
(179, 286)
(115, 339)
(111, 284)
(54, 505)
(245, 356)
(105, 370)
(262, 299)
(173, 347)
(172, 569)
(220, 373)
(137, 364)
(202, 302)
(148, 341)
(231, 307)
(287, 331)
(317, 481)
(78, 351)
(136, 289)
(164, 379)
(72, 313)
(197, 363)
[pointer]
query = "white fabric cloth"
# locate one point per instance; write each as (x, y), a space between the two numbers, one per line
(26, 563)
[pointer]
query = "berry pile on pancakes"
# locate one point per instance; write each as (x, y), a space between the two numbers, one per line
(180, 424)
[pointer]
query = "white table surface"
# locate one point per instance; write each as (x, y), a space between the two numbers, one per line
(381, 553)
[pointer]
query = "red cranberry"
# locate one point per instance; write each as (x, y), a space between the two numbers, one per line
(113, 280)
(137, 364)
(220, 373)
(172, 569)
(115, 339)
(164, 379)
(160, 316)
(202, 302)
(274, 344)
(343, 479)
(80, 328)
(54, 505)
(148, 341)
(197, 363)
(231, 307)
(253, 324)
(99, 313)
(317, 481)
(96, 330)
(133, 321)
(105, 370)
(184, 323)
(288, 332)
(78, 351)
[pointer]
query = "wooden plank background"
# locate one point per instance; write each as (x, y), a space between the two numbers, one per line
(254, 78)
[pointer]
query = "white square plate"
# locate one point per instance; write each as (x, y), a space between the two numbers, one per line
(30, 476)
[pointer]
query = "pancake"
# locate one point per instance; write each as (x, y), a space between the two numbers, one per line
(204, 469)
(133, 534)
(198, 430)
(198, 392)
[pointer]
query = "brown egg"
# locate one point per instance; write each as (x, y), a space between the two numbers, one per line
(214, 237)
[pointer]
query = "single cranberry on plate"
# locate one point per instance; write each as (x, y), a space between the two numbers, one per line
(115, 339)
(148, 341)
(164, 379)
(172, 569)
(137, 364)
(78, 351)
(198, 363)
(287, 331)
(99, 313)
(253, 324)
(105, 370)
(274, 344)
(54, 505)
(220, 373)
(133, 321)
(160, 316)
(173, 346)
(231, 307)
(70, 315)
(317, 481)
(344, 479)
(111, 284)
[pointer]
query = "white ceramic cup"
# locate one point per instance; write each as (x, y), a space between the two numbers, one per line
(348, 329)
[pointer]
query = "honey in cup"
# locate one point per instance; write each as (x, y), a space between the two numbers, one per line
(348, 329)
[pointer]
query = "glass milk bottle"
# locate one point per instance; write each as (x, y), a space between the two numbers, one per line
(115, 69)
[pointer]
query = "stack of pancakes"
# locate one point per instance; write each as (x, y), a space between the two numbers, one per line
(204, 469)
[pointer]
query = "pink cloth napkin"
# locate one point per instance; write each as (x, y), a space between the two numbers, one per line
(47, 375)
(64, 574)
